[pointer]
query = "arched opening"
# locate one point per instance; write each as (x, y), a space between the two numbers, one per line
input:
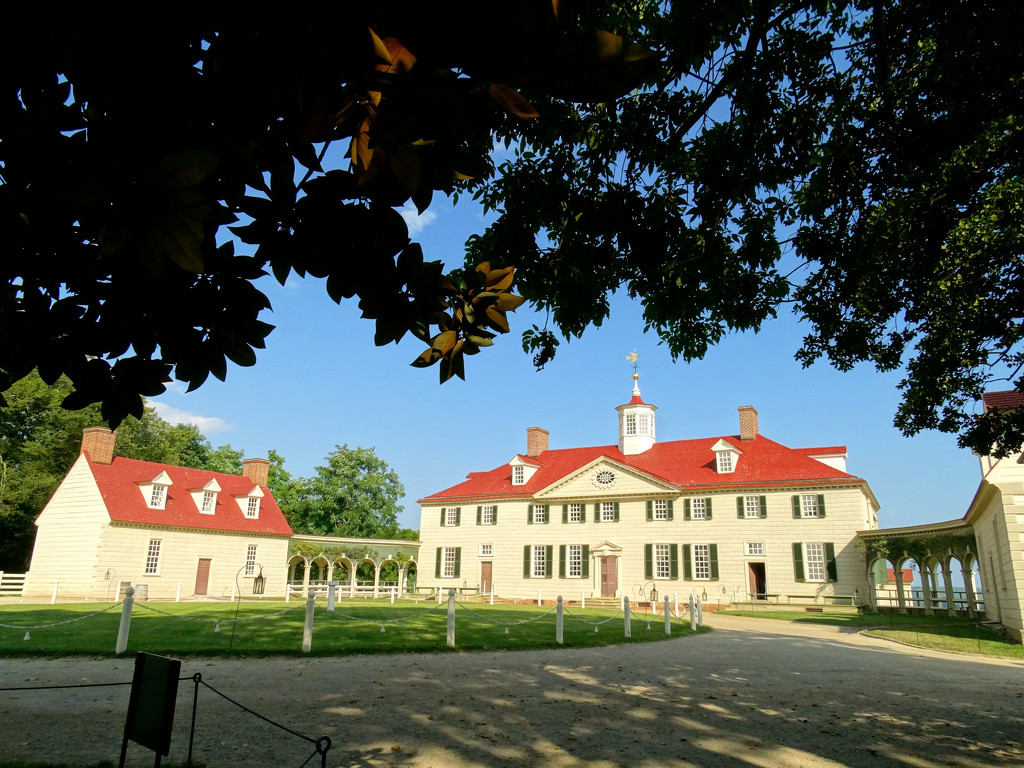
(411, 574)
(390, 575)
(342, 573)
(366, 575)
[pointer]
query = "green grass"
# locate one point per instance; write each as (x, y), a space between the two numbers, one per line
(943, 633)
(191, 629)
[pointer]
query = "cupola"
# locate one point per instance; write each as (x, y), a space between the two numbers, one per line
(636, 423)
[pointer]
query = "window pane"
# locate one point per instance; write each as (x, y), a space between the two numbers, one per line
(538, 561)
(153, 556)
(575, 557)
(575, 513)
(661, 509)
(698, 509)
(607, 511)
(250, 560)
(752, 506)
(701, 561)
(814, 561)
(809, 505)
(449, 562)
(661, 561)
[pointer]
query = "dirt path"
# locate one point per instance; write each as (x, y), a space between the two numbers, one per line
(755, 693)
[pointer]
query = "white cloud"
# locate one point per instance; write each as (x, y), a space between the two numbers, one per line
(208, 425)
(417, 223)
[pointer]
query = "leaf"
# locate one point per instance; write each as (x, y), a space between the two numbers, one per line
(513, 101)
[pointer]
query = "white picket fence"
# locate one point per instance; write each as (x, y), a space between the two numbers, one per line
(12, 584)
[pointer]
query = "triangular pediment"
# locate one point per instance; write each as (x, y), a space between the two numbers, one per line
(605, 478)
(606, 548)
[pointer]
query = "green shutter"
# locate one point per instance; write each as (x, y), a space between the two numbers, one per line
(458, 515)
(707, 507)
(561, 561)
(546, 518)
(687, 563)
(798, 561)
(821, 505)
(796, 506)
(713, 556)
(585, 557)
(764, 506)
(686, 509)
(437, 563)
(650, 510)
(529, 514)
(597, 512)
(616, 517)
(673, 561)
(527, 551)
(648, 561)
(548, 552)
(458, 561)
(670, 513)
(830, 561)
(494, 515)
(479, 513)
(442, 516)
(565, 514)
(740, 511)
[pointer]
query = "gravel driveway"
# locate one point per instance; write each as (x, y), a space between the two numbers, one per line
(754, 693)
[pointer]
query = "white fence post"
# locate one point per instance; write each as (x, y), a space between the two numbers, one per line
(693, 615)
(393, 591)
(53, 597)
(233, 587)
(307, 629)
(668, 618)
(622, 602)
(675, 601)
(439, 590)
(558, 621)
(492, 593)
(583, 599)
(451, 618)
(332, 587)
(126, 621)
(177, 597)
(625, 611)
(538, 598)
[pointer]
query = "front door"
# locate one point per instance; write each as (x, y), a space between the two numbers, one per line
(609, 577)
(758, 581)
(485, 577)
(203, 575)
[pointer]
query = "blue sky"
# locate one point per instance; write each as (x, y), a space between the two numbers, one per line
(321, 382)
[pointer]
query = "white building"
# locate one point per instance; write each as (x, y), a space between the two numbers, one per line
(726, 516)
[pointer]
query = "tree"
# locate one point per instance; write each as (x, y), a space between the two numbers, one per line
(858, 161)
(354, 494)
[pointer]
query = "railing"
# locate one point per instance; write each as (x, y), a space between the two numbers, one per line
(12, 584)
(344, 589)
(914, 598)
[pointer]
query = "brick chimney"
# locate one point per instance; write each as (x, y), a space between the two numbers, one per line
(536, 441)
(98, 442)
(748, 422)
(257, 470)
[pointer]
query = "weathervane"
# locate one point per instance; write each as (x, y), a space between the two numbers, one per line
(632, 358)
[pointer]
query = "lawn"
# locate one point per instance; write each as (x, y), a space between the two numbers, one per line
(275, 628)
(943, 633)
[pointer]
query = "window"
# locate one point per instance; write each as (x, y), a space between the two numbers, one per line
(661, 561)
(572, 513)
(644, 424)
(209, 501)
(447, 564)
(750, 507)
(726, 461)
(574, 562)
(630, 423)
(450, 516)
(814, 561)
(755, 549)
(604, 478)
(700, 561)
(486, 515)
(537, 513)
(158, 497)
(486, 550)
(608, 510)
(250, 560)
(518, 475)
(660, 509)
(252, 507)
(698, 509)
(153, 556)
(809, 505)
(539, 562)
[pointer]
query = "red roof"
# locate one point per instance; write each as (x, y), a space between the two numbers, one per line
(686, 464)
(126, 503)
(1005, 400)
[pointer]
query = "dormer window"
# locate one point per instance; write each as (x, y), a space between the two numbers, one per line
(250, 503)
(726, 456)
(205, 498)
(252, 508)
(518, 475)
(158, 497)
(726, 461)
(209, 502)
